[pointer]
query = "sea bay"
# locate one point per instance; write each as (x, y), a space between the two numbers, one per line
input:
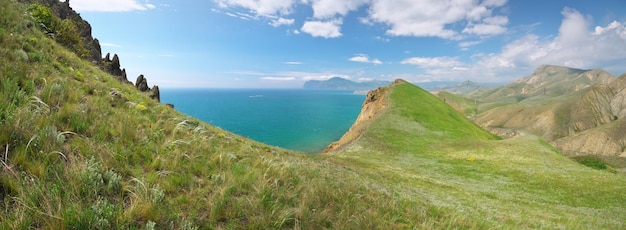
(297, 119)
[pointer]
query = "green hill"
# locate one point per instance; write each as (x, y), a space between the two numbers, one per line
(82, 150)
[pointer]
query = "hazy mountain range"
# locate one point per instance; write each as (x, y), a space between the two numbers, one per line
(579, 111)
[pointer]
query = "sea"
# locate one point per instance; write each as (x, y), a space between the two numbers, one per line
(304, 120)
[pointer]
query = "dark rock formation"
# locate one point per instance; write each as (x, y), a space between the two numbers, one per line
(64, 11)
(142, 84)
(155, 93)
(112, 66)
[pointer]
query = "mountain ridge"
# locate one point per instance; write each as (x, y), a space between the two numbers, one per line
(338, 83)
(558, 103)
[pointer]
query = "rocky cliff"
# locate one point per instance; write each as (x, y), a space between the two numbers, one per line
(375, 102)
(64, 11)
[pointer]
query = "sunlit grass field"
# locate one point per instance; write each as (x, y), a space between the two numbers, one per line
(80, 150)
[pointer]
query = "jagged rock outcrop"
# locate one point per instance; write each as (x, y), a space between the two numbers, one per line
(111, 65)
(155, 93)
(64, 11)
(142, 84)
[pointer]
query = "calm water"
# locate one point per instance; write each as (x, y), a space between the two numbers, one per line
(297, 119)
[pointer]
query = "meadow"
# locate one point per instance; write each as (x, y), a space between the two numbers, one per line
(81, 150)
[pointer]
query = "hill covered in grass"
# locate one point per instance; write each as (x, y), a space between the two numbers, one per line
(579, 111)
(83, 150)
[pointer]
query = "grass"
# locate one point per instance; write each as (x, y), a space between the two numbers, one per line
(80, 150)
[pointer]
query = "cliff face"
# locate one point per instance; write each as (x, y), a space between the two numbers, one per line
(63, 11)
(375, 102)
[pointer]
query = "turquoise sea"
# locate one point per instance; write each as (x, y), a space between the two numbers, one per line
(296, 119)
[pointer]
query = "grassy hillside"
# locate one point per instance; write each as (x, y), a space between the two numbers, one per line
(467, 106)
(521, 182)
(80, 150)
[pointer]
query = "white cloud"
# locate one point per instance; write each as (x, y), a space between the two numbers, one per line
(278, 78)
(105, 44)
(576, 45)
(325, 77)
(325, 29)
(293, 63)
(383, 39)
(364, 59)
(418, 18)
(489, 26)
(109, 5)
(260, 7)
(282, 21)
(433, 62)
(468, 44)
(324, 9)
(435, 18)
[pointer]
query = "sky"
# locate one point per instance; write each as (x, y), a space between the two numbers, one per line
(283, 43)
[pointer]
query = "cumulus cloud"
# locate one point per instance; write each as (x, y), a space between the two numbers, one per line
(325, 29)
(433, 62)
(110, 5)
(488, 26)
(260, 7)
(418, 18)
(282, 21)
(363, 58)
(434, 18)
(576, 45)
(324, 9)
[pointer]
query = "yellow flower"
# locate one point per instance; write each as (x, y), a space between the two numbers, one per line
(141, 107)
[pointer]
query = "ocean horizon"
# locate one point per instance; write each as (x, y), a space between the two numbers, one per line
(304, 120)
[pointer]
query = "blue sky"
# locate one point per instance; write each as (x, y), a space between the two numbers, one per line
(283, 43)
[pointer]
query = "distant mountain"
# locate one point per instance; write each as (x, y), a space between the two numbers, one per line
(465, 88)
(338, 83)
(550, 80)
(574, 109)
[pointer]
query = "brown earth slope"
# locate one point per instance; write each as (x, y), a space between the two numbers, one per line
(579, 111)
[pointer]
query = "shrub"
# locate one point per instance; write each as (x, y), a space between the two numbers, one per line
(65, 31)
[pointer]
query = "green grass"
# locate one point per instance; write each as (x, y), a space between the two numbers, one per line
(516, 183)
(80, 150)
(469, 107)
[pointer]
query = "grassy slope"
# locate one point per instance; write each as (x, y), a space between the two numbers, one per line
(74, 155)
(515, 183)
(467, 106)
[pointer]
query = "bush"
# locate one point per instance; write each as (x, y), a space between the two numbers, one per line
(65, 32)
(595, 163)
